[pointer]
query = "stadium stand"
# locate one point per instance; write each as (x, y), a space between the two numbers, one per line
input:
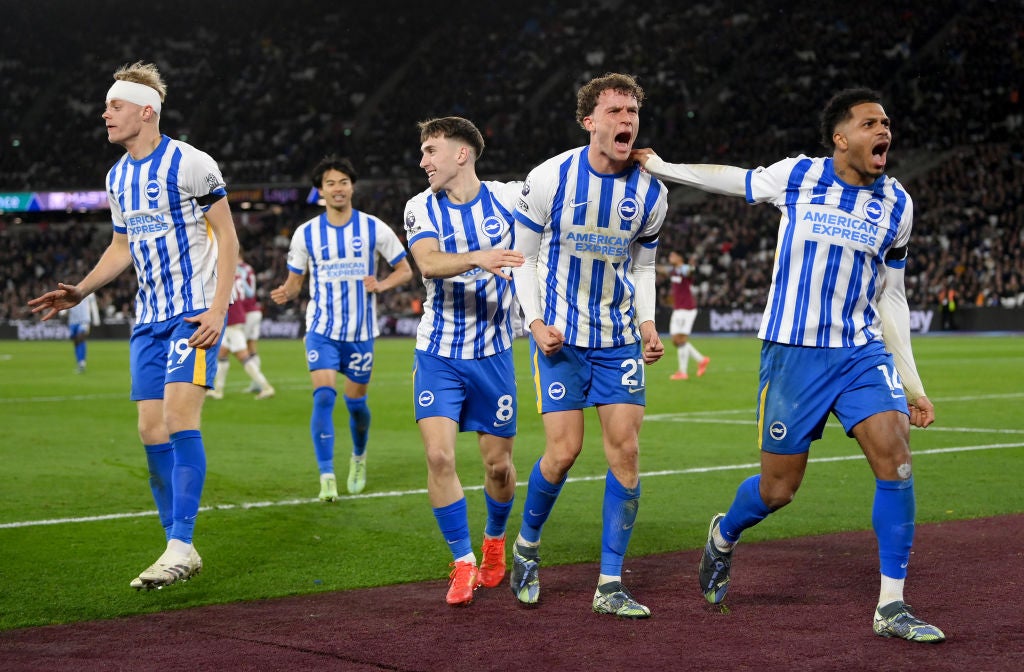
(270, 89)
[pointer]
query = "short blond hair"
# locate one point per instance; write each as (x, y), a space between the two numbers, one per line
(143, 73)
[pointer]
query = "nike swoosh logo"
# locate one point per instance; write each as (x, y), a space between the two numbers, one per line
(450, 235)
(326, 436)
(634, 390)
(575, 204)
(173, 369)
(501, 424)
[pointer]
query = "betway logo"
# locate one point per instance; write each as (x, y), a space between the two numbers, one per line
(921, 320)
(29, 330)
(284, 329)
(738, 320)
(735, 320)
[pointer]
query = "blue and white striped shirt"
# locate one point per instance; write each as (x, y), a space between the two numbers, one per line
(159, 203)
(338, 258)
(467, 316)
(833, 237)
(589, 223)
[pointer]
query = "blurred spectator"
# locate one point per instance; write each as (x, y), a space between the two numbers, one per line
(294, 89)
(947, 304)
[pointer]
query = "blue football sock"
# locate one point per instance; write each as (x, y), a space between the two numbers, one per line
(540, 499)
(497, 515)
(321, 427)
(160, 457)
(187, 482)
(454, 524)
(358, 423)
(747, 510)
(80, 352)
(893, 519)
(621, 505)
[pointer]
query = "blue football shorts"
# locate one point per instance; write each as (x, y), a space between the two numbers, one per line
(354, 359)
(800, 386)
(160, 354)
(79, 328)
(574, 378)
(479, 394)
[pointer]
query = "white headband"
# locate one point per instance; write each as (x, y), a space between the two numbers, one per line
(140, 94)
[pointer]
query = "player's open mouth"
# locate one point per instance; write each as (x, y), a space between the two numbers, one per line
(623, 138)
(878, 153)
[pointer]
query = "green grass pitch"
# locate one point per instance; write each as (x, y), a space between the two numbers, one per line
(77, 521)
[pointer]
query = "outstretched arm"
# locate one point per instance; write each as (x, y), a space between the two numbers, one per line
(717, 179)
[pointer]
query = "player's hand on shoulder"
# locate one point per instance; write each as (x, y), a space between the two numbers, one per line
(641, 155)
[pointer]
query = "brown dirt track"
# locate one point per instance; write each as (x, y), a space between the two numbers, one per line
(796, 604)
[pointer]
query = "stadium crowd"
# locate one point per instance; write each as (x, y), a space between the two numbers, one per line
(269, 91)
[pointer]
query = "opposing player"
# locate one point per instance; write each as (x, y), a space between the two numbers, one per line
(836, 332)
(234, 341)
(172, 221)
(253, 319)
(339, 248)
(684, 313)
(460, 231)
(587, 224)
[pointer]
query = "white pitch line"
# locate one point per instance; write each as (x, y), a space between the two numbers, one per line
(423, 491)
